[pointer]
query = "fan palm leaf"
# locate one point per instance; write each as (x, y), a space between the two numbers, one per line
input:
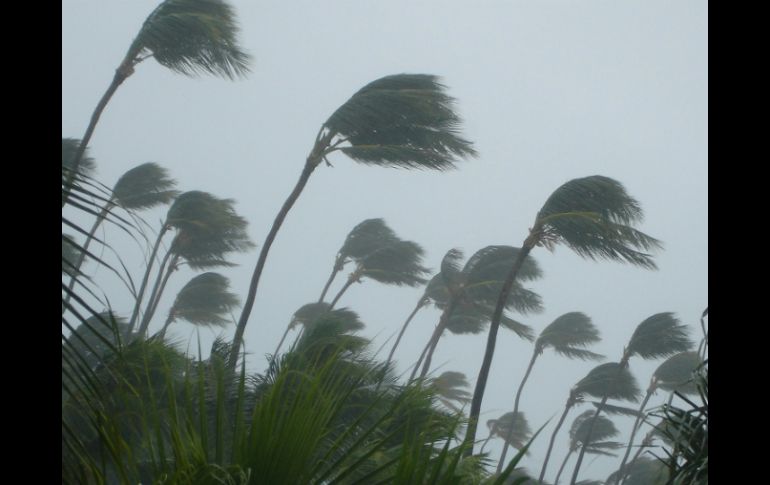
(594, 216)
(405, 120)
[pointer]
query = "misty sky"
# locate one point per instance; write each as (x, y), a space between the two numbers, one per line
(548, 91)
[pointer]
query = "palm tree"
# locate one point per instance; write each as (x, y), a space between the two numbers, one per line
(659, 335)
(449, 389)
(609, 379)
(190, 37)
(207, 229)
(675, 374)
(513, 428)
(568, 336)
(471, 290)
(404, 120)
(594, 217)
(366, 237)
(603, 430)
(307, 315)
(143, 187)
(204, 301)
(644, 471)
(396, 263)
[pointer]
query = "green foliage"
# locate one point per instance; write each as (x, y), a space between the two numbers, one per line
(611, 380)
(144, 186)
(659, 335)
(568, 334)
(511, 427)
(449, 389)
(677, 373)
(603, 429)
(69, 147)
(204, 300)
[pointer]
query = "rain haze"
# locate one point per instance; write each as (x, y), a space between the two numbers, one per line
(547, 91)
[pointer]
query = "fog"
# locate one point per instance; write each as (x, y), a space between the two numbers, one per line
(548, 91)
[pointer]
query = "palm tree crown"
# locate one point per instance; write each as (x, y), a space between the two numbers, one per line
(659, 335)
(144, 186)
(204, 300)
(568, 334)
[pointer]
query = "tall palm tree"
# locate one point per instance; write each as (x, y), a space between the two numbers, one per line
(204, 301)
(404, 120)
(594, 216)
(207, 229)
(471, 290)
(143, 187)
(578, 436)
(659, 335)
(307, 315)
(674, 374)
(190, 37)
(609, 379)
(513, 428)
(396, 263)
(568, 335)
(363, 239)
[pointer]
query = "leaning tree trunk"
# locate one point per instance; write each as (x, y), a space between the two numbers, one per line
(516, 409)
(275, 354)
(422, 355)
(561, 468)
(637, 425)
(157, 291)
(420, 304)
(481, 382)
(442, 325)
(567, 407)
(143, 287)
(351, 279)
(337, 268)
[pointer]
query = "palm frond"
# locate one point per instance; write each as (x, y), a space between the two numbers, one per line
(581, 354)
(366, 237)
(618, 410)
(70, 253)
(449, 389)
(403, 120)
(144, 186)
(347, 320)
(660, 335)
(646, 471)
(502, 426)
(594, 216)
(396, 263)
(611, 380)
(494, 263)
(677, 373)
(68, 148)
(573, 329)
(603, 428)
(205, 300)
(192, 37)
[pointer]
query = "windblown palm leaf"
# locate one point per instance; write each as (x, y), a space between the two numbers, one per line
(98, 335)
(449, 389)
(677, 373)
(594, 216)
(69, 255)
(568, 334)
(69, 147)
(603, 429)
(611, 380)
(643, 471)
(404, 120)
(347, 320)
(192, 37)
(473, 319)
(396, 263)
(502, 426)
(205, 300)
(144, 186)
(660, 335)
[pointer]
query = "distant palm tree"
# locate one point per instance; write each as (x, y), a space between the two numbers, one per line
(603, 430)
(404, 120)
(396, 263)
(610, 379)
(366, 237)
(189, 37)
(659, 335)
(204, 301)
(513, 428)
(568, 335)
(143, 187)
(593, 216)
(472, 289)
(449, 389)
(307, 315)
(675, 374)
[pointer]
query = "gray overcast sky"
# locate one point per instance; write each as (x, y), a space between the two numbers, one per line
(548, 90)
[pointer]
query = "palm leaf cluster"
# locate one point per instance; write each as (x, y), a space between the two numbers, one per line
(568, 334)
(449, 388)
(144, 186)
(69, 147)
(513, 428)
(603, 430)
(205, 300)
(659, 335)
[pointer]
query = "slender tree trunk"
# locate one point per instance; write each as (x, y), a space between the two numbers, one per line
(168, 321)
(121, 74)
(312, 162)
(420, 304)
(587, 440)
(422, 355)
(442, 325)
(82, 256)
(281, 342)
(481, 382)
(145, 279)
(157, 291)
(352, 279)
(561, 468)
(484, 444)
(516, 409)
(637, 425)
(645, 443)
(570, 403)
(335, 270)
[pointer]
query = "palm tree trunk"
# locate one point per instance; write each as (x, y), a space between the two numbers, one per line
(121, 74)
(645, 442)
(157, 291)
(82, 257)
(422, 356)
(335, 270)
(637, 425)
(561, 468)
(352, 279)
(587, 440)
(481, 382)
(288, 327)
(168, 321)
(484, 444)
(145, 279)
(442, 324)
(310, 165)
(516, 409)
(568, 406)
(420, 304)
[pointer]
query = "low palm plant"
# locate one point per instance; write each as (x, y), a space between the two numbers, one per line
(404, 120)
(578, 435)
(567, 335)
(594, 216)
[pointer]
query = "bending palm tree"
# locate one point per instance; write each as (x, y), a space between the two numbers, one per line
(578, 438)
(365, 238)
(204, 301)
(593, 216)
(513, 428)
(675, 374)
(567, 335)
(189, 37)
(142, 187)
(610, 379)
(405, 120)
(660, 335)
(310, 313)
